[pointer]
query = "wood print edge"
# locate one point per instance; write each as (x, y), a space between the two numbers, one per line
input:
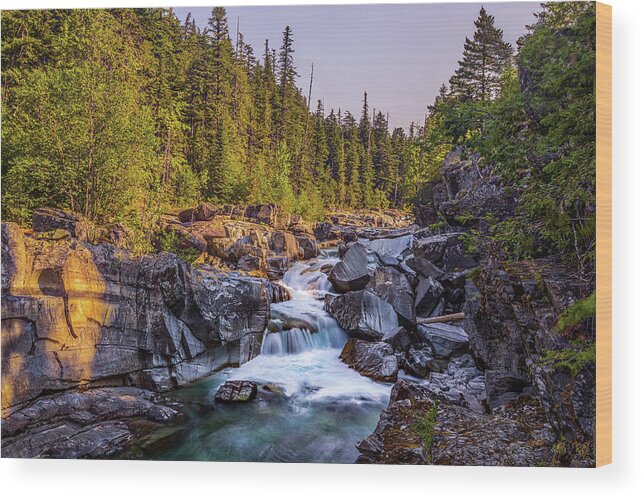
(603, 234)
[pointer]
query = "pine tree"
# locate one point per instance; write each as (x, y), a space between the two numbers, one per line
(485, 59)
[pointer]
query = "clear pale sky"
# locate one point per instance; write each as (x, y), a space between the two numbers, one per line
(400, 54)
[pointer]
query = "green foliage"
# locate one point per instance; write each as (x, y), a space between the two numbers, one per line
(170, 240)
(424, 426)
(119, 113)
(577, 312)
(574, 358)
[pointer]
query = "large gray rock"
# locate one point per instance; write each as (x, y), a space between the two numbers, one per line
(95, 423)
(354, 271)
(445, 340)
(389, 251)
(374, 360)
(394, 288)
(362, 314)
(447, 251)
(427, 296)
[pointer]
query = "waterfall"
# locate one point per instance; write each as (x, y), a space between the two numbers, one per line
(301, 324)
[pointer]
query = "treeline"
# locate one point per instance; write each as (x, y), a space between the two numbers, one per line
(531, 117)
(120, 114)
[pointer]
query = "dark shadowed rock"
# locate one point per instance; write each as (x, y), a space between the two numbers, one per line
(362, 314)
(445, 340)
(427, 295)
(236, 391)
(374, 360)
(49, 220)
(399, 339)
(354, 271)
(308, 246)
(394, 288)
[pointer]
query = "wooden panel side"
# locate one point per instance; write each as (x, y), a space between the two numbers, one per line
(603, 234)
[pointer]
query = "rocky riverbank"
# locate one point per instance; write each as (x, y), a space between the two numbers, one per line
(91, 335)
(502, 386)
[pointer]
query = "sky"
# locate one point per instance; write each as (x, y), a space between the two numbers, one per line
(400, 54)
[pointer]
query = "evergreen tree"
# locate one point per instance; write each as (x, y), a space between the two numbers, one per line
(486, 57)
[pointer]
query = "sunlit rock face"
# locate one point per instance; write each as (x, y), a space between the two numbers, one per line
(75, 314)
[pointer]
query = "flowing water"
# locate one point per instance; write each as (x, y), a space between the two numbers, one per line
(316, 408)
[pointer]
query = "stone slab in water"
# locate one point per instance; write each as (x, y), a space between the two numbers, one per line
(236, 391)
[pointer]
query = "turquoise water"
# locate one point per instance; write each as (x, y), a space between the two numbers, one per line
(316, 408)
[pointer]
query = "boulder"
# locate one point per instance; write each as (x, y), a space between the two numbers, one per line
(374, 360)
(308, 246)
(354, 271)
(445, 340)
(285, 243)
(396, 439)
(427, 296)
(362, 314)
(49, 219)
(399, 339)
(389, 251)
(203, 212)
(236, 391)
(394, 288)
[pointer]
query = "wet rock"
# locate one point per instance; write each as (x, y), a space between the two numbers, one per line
(362, 314)
(285, 243)
(374, 360)
(427, 295)
(278, 293)
(354, 271)
(445, 340)
(236, 391)
(394, 288)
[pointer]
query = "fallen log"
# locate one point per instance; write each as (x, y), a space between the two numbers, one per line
(442, 318)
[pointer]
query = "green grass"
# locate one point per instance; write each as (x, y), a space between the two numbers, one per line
(574, 358)
(577, 312)
(424, 427)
